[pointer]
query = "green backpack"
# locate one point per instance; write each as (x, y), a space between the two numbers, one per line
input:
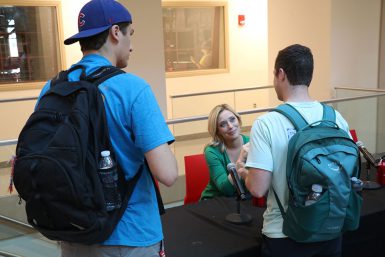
(320, 153)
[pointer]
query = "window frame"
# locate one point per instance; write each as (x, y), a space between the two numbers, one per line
(203, 4)
(60, 58)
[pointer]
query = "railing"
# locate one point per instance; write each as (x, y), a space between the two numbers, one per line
(221, 91)
(8, 142)
(261, 110)
(360, 89)
(18, 99)
(251, 111)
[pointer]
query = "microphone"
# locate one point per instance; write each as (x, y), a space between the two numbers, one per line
(237, 183)
(368, 156)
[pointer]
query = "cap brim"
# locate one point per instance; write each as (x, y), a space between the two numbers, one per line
(84, 34)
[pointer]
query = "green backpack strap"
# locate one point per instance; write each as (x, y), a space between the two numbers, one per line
(293, 115)
(298, 120)
(283, 213)
(328, 113)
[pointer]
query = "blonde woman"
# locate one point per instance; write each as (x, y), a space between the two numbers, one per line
(224, 126)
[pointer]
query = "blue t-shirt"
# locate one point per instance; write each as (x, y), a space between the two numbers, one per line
(136, 126)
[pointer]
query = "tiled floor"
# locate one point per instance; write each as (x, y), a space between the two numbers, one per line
(32, 245)
(17, 240)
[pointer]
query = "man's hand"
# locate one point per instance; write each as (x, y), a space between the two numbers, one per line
(240, 164)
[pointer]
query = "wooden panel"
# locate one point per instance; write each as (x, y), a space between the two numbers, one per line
(196, 106)
(251, 99)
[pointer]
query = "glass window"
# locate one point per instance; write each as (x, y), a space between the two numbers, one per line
(194, 37)
(29, 44)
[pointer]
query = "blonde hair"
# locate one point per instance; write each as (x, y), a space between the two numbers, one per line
(216, 139)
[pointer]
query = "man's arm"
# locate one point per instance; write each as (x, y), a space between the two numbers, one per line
(258, 181)
(162, 164)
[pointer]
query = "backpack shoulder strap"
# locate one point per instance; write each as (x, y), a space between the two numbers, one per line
(157, 191)
(98, 77)
(103, 73)
(328, 113)
(283, 213)
(63, 75)
(292, 114)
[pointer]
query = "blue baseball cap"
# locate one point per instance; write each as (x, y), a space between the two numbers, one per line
(97, 16)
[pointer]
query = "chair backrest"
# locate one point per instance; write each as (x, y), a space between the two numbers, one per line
(197, 177)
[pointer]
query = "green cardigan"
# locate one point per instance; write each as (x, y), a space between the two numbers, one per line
(219, 185)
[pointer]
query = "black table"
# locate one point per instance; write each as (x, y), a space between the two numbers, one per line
(200, 230)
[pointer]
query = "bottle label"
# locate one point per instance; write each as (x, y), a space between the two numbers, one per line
(109, 179)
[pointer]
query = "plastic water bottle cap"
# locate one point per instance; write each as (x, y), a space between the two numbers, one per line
(105, 153)
(316, 188)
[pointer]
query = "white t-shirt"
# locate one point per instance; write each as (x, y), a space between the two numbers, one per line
(269, 138)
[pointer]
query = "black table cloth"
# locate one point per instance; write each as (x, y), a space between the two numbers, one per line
(200, 230)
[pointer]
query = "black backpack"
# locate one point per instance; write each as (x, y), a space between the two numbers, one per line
(57, 157)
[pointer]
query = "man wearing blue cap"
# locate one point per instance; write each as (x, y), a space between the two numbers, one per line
(137, 130)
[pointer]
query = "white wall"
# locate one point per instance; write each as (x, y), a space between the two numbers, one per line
(306, 22)
(381, 85)
(355, 39)
(247, 60)
(70, 11)
(381, 77)
(147, 59)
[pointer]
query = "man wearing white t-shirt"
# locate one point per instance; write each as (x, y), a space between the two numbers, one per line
(266, 161)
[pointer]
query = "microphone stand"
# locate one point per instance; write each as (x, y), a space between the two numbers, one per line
(238, 217)
(367, 183)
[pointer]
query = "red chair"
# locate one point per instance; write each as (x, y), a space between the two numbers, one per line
(197, 177)
(354, 135)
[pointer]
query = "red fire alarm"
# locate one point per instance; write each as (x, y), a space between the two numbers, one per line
(241, 20)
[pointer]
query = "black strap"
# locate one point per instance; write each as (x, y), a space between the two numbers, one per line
(158, 195)
(283, 213)
(97, 77)
(103, 73)
(63, 75)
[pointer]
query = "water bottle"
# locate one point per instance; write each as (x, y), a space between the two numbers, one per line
(314, 195)
(357, 184)
(108, 175)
